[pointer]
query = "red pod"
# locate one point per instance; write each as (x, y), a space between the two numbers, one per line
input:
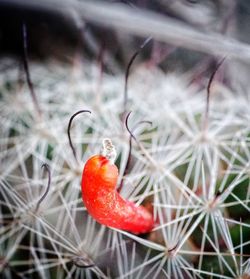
(103, 202)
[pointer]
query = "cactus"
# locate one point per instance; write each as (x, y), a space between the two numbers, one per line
(182, 147)
(190, 167)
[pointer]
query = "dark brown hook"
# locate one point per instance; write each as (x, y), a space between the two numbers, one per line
(145, 42)
(47, 188)
(68, 130)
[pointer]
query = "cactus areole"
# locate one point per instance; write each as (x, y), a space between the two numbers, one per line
(103, 202)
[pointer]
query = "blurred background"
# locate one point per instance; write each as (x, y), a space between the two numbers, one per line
(60, 34)
(64, 34)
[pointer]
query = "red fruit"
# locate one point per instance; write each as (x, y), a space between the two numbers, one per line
(103, 202)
